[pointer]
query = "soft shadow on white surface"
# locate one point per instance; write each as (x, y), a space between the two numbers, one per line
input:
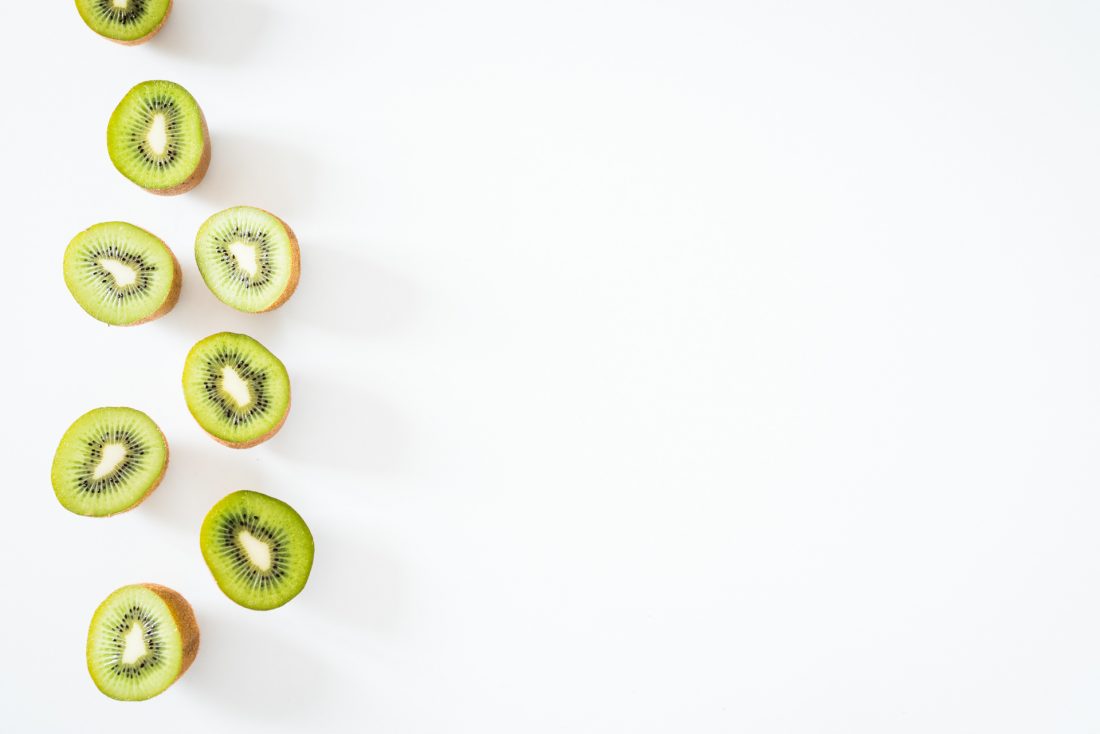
(217, 32)
(248, 169)
(372, 438)
(200, 472)
(371, 598)
(242, 669)
(199, 314)
(381, 302)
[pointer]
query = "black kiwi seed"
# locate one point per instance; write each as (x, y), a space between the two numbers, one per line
(257, 380)
(131, 14)
(164, 105)
(114, 251)
(228, 531)
(153, 646)
(263, 259)
(132, 462)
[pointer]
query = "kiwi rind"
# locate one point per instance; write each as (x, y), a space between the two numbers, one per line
(199, 409)
(89, 21)
(275, 512)
(57, 470)
(294, 264)
(180, 96)
(185, 625)
(170, 299)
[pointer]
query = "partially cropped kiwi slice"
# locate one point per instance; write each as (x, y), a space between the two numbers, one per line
(128, 22)
(248, 258)
(142, 638)
(108, 461)
(237, 390)
(258, 548)
(121, 274)
(157, 138)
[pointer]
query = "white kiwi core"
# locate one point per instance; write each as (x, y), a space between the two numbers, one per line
(133, 645)
(236, 387)
(123, 274)
(113, 454)
(245, 255)
(258, 552)
(157, 137)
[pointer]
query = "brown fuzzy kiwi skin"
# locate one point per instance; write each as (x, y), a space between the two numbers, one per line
(295, 268)
(184, 617)
(256, 441)
(200, 171)
(147, 36)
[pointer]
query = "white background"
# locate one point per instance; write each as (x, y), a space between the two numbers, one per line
(658, 366)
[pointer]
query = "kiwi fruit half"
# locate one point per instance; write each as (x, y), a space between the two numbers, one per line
(128, 22)
(121, 274)
(258, 548)
(249, 258)
(108, 461)
(237, 390)
(142, 638)
(157, 138)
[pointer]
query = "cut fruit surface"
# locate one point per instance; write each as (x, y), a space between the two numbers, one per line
(125, 21)
(108, 461)
(236, 389)
(122, 275)
(258, 548)
(141, 639)
(157, 138)
(249, 258)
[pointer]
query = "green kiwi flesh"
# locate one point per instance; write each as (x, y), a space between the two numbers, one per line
(249, 258)
(258, 548)
(157, 138)
(108, 461)
(141, 639)
(121, 275)
(236, 389)
(129, 22)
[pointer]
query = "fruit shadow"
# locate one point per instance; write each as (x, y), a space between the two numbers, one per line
(199, 314)
(349, 295)
(200, 472)
(216, 32)
(247, 169)
(244, 668)
(356, 582)
(342, 427)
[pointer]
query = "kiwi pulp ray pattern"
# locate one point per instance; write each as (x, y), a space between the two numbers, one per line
(258, 548)
(157, 137)
(108, 461)
(122, 275)
(141, 639)
(128, 22)
(236, 389)
(249, 258)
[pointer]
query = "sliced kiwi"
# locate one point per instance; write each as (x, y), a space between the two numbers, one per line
(121, 274)
(128, 22)
(236, 389)
(108, 461)
(248, 258)
(157, 138)
(141, 639)
(258, 548)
